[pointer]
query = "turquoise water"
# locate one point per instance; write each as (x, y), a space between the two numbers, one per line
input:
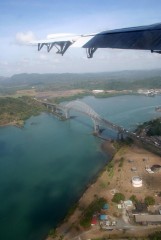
(45, 166)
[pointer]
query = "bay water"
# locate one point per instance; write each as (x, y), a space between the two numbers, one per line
(46, 166)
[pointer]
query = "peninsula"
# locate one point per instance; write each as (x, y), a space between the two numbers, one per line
(14, 111)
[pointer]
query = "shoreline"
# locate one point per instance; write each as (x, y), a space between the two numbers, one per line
(109, 150)
(15, 124)
(70, 228)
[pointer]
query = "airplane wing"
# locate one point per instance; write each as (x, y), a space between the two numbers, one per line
(138, 38)
(62, 42)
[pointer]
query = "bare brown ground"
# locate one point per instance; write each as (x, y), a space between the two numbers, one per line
(63, 93)
(121, 182)
(49, 94)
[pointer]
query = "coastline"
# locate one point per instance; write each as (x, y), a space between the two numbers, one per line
(15, 124)
(70, 228)
(109, 150)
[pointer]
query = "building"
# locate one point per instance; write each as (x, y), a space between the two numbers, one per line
(156, 168)
(94, 220)
(133, 169)
(98, 91)
(105, 206)
(148, 219)
(103, 217)
(147, 92)
(128, 204)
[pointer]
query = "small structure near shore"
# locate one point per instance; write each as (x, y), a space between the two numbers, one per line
(156, 168)
(133, 169)
(103, 217)
(128, 204)
(137, 181)
(105, 206)
(94, 220)
(96, 91)
(148, 169)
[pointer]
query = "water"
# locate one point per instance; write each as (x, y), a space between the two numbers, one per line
(45, 166)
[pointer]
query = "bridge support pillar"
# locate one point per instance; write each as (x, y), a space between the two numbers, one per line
(66, 113)
(96, 128)
(120, 136)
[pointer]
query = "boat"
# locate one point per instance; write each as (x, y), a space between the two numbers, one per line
(158, 109)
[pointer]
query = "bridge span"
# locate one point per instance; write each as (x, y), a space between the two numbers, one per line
(63, 111)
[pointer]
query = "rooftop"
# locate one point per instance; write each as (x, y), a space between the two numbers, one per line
(147, 218)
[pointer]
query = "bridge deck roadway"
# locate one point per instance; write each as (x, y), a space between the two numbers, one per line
(100, 121)
(84, 108)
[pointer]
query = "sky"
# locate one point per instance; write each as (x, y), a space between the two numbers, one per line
(27, 20)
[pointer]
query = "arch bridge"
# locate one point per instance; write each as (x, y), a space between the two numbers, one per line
(63, 110)
(98, 121)
(82, 107)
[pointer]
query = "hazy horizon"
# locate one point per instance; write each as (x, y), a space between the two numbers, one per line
(97, 72)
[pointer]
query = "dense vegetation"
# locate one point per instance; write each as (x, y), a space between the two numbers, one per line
(16, 110)
(149, 200)
(133, 199)
(155, 236)
(153, 127)
(93, 208)
(118, 197)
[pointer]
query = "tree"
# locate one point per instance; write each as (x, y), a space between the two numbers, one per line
(149, 200)
(94, 207)
(118, 197)
(133, 199)
(155, 236)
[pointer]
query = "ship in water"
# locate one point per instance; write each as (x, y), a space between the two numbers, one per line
(158, 109)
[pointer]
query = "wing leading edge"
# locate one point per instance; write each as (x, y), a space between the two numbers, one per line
(137, 38)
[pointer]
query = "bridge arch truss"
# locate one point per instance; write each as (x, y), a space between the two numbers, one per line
(82, 107)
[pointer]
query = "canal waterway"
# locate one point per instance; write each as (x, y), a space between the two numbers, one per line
(45, 166)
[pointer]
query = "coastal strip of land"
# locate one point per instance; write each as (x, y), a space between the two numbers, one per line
(115, 177)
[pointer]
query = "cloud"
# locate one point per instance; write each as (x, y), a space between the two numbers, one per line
(43, 57)
(24, 37)
(3, 63)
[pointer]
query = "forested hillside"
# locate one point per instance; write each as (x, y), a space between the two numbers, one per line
(16, 110)
(132, 80)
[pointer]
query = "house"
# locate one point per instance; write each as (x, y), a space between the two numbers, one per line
(103, 217)
(94, 220)
(119, 206)
(128, 203)
(105, 206)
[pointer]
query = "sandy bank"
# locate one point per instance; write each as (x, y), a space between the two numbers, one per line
(19, 124)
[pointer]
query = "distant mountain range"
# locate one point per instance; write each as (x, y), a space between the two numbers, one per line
(105, 80)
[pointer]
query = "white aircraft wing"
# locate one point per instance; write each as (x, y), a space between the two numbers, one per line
(138, 38)
(61, 41)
